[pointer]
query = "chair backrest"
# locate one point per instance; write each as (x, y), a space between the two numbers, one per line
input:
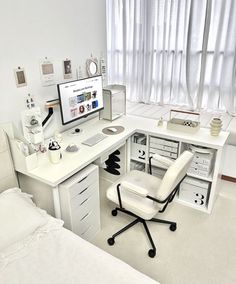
(174, 174)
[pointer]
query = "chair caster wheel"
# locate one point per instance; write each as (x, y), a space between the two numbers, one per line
(111, 241)
(114, 212)
(152, 253)
(173, 227)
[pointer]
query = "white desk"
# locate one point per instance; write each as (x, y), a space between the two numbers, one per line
(52, 175)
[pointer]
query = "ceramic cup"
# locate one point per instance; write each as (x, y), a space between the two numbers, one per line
(54, 155)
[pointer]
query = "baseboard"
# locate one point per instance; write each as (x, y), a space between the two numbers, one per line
(228, 178)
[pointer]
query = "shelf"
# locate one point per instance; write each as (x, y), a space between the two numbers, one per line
(138, 160)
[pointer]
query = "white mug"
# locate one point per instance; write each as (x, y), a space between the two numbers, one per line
(54, 155)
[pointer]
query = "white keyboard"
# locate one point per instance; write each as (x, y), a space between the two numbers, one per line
(94, 139)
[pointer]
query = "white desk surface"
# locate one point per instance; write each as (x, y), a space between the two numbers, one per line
(54, 174)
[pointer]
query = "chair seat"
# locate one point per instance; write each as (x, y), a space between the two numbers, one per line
(141, 206)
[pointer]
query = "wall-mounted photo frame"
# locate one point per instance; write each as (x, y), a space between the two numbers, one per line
(47, 72)
(20, 77)
(67, 69)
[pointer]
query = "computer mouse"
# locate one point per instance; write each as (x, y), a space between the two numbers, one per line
(112, 129)
(72, 148)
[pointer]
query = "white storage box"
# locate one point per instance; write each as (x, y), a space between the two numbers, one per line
(194, 191)
(202, 161)
(163, 153)
(159, 141)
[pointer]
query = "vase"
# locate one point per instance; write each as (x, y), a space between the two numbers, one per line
(216, 125)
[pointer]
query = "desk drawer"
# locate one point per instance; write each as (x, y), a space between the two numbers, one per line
(82, 208)
(83, 183)
(82, 223)
(90, 232)
(84, 194)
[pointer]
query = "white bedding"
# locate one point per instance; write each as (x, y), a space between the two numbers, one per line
(56, 255)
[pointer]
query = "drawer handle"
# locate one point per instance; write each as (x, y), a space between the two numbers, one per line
(85, 216)
(83, 190)
(82, 179)
(85, 231)
(84, 201)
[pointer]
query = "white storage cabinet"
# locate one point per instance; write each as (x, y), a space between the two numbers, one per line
(80, 205)
(195, 191)
(198, 190)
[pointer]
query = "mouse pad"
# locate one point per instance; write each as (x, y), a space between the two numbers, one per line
(108, 132)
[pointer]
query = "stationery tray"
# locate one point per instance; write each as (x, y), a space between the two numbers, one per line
(189, 124)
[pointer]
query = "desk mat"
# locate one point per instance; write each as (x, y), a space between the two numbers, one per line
(108, 132)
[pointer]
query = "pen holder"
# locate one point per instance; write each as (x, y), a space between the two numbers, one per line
(54, 152)
(54, 155)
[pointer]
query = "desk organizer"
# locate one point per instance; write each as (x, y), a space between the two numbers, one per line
(22, 162)
(187, 125)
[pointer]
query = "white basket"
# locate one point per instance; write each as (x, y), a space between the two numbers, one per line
(183, 124)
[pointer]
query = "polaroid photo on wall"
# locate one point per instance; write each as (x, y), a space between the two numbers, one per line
(47, 72)
(67, 69)
(20, 77)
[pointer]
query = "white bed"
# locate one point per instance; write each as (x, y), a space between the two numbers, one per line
(35, 248)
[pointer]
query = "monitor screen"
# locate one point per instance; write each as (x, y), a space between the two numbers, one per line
(80, 98)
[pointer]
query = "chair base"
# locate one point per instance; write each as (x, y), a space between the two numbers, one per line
(152, 251)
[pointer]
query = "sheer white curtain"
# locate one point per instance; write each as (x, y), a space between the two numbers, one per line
(174, 51)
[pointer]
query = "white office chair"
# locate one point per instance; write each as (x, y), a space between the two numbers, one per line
(142, 195)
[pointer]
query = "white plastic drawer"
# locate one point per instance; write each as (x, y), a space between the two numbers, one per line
(159, 141)
(163, 147)
(80, 225)
(82, 208)
(202, 167)
(85, 182)
(90, 232)
(163, 153)
(205, 159)
(83, 194)
(198, 172)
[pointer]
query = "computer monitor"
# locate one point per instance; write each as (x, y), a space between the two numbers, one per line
(80, 98)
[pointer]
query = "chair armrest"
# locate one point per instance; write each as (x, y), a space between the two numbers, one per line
(134, 188)
(163, 160)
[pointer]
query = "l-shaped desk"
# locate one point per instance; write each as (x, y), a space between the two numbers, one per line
(51, 175)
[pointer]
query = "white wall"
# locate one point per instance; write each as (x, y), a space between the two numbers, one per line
(32, 30)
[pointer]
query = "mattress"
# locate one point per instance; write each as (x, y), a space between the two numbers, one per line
(59, 256)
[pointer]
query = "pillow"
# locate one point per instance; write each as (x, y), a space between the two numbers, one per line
(19, 217)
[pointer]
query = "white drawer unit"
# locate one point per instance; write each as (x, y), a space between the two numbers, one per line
(194, 191)
(164, 147)
(202, 163)
(80, 205)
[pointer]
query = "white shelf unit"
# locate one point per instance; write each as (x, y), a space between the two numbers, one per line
(80, 205)
(199, 196)
(139, 151)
